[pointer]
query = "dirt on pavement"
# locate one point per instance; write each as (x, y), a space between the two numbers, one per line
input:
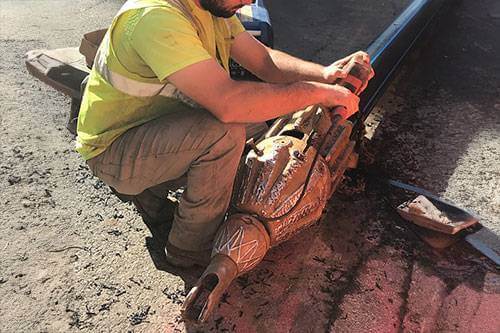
(75, 258)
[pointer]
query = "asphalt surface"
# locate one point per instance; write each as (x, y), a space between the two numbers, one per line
(74, 258)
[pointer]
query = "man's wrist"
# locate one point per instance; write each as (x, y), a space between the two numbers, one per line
(321, 92)
(324, 74)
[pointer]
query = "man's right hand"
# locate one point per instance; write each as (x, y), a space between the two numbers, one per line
(336, 95)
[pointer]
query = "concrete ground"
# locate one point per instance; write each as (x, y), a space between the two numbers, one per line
(74, 258)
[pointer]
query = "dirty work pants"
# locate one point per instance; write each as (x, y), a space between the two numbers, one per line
(189, 143)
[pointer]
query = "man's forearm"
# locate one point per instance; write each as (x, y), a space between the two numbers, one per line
(248, 102)
(284, 68)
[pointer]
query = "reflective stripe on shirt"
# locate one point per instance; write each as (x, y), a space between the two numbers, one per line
(122, 83)
(133, 87)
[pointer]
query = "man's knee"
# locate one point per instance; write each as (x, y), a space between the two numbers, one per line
(228, 134)
(236, 133)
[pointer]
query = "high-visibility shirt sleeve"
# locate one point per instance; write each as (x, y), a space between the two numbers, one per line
(167, 42)
(236, 26)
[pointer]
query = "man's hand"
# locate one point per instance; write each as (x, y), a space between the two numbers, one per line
(360, 55)
(343, 98)
(333, 72)
(337, 69)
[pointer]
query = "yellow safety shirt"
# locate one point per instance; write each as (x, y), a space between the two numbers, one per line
(147, 41)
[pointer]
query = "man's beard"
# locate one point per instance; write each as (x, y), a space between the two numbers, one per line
(216, 8)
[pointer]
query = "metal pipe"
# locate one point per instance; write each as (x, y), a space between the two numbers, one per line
(390, 48)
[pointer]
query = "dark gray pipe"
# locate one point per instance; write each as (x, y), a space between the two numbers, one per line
(390, 48)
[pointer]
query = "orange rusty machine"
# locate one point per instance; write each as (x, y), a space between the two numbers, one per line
(282, 186)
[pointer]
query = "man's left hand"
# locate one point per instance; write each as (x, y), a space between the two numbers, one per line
(333, 72)
(337, 69)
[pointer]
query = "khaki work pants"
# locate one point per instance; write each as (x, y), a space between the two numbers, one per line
(189, 143)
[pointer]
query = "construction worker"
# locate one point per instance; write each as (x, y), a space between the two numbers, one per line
(160, 107)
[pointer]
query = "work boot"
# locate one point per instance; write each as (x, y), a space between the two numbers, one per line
(185, 259)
